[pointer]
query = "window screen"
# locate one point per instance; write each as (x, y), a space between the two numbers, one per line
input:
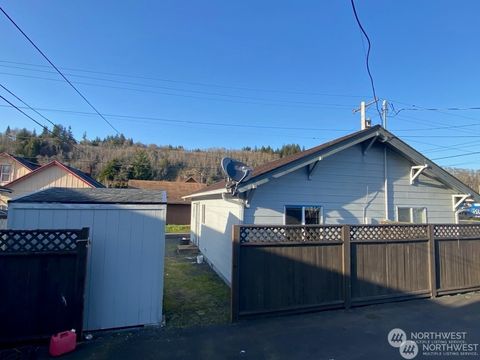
(313, 215)
(5, 172)
(404, 215)
(419, 215)
(293, 215)
(416, 215)
(303, 215)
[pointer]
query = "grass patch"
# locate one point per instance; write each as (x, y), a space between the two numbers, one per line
(178, 229)
(194, 294)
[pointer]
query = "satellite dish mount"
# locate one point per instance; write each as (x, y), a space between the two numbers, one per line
(236, 172)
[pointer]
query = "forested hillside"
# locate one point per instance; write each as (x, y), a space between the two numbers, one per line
(115, 159)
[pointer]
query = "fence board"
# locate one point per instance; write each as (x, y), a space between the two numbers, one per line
(294, 268)
(42, 273)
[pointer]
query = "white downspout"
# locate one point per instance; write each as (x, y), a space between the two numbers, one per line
(385, 184)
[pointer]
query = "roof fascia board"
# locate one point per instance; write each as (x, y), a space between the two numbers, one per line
(85, 206)
(206, 193)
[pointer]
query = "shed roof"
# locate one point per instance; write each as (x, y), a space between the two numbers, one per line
(94, 196)
(175, 189)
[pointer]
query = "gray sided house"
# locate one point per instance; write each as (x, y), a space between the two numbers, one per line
(368, 177)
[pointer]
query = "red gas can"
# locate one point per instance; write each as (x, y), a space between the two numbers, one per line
(63, 343)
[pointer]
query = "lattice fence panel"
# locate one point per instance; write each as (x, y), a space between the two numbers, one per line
(38, 240)
(389, 232)
(273, 234)
(456, 231)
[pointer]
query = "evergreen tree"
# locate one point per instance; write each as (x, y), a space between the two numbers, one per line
(141, 166)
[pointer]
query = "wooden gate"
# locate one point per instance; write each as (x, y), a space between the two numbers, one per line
(42, 276)
(287, 269)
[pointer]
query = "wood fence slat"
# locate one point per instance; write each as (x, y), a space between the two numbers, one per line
(282, 269)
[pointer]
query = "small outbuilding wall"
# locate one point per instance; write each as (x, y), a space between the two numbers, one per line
(124, 284)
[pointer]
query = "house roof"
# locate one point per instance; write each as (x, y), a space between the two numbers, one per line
(261, 174)
(75, 172)
(94, 196)
(22, 161)
(175, 189)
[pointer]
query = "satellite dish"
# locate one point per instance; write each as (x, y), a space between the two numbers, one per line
(236, 171)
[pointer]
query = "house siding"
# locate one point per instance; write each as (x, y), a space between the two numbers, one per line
(340, 184)
(53, 176)
(18, 170)
(214, 237)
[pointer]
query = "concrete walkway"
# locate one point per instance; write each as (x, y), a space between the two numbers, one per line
(359, 333)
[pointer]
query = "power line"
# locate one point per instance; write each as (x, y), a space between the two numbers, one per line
(191, 122)
(455, 156)
(178, 89)
(279, 102)
(61, 74)
(35, 121)
(297, 92)
(367, 58)
(24, 103)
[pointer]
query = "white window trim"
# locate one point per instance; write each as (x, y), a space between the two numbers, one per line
(411, 213)
(203, 215)
(9, 175)
(303, 212)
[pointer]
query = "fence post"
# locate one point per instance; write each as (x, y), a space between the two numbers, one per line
(234, 296)
(347, 263)
(80, 277)
(432, 260)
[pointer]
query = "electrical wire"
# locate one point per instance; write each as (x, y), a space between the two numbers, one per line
(28, 106)
(184, 90)
(367, 58)
(58, 71)
(35, 121)
(296, 92)
(455, 156)
(222, 124)
(280, 103)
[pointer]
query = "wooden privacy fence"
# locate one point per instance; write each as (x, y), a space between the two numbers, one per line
(286, 269)
(42, 276)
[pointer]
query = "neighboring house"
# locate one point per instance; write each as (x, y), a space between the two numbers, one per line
(367, 177)
(3, 212)
(178, 209)
(26, 180)
(13, 167)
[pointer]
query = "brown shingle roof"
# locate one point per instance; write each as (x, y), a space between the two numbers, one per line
(175, 189)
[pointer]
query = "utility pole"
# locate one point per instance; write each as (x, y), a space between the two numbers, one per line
(365, 123)
(384, 113)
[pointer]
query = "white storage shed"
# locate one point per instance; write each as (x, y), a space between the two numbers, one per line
(124, 285)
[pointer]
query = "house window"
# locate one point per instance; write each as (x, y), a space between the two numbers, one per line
(415, 215)
(5, 173)
(303, 215)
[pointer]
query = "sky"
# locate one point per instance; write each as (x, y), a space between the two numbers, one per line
(205, 74)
